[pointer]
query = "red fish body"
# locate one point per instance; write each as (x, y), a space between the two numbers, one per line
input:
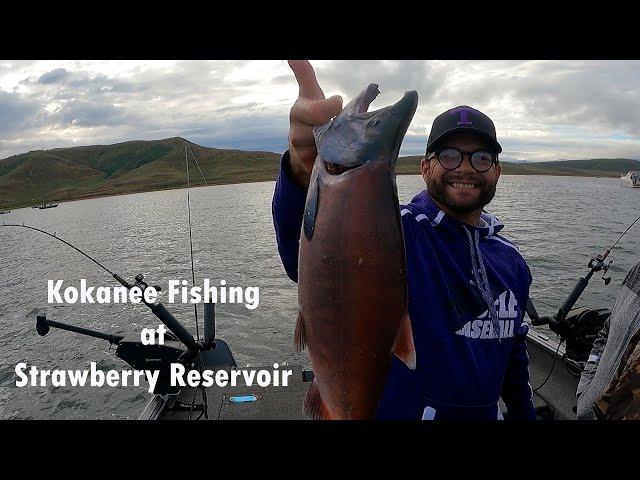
(352, 269)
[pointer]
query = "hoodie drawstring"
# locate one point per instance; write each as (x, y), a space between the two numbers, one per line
(482, 280)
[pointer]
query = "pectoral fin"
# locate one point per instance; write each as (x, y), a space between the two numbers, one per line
(404, 348)
(313, 406)
(299, 335)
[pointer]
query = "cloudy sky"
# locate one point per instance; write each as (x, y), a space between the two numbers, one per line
(543, 110)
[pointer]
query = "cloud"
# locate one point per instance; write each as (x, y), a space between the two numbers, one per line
(16, 113)
(54, 76)
(80, 113)
(543, 110)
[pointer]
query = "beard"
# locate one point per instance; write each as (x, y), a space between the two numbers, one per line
(437, 189)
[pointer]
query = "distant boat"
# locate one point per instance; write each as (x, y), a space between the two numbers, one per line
(47, 205)
(631, 179)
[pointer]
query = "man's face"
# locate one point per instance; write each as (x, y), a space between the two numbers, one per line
(444, 186)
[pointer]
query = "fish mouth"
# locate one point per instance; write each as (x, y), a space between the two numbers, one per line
(336, 168)
(402, 112)
(394, 120)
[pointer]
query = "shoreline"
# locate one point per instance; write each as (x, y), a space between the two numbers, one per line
(241, 182)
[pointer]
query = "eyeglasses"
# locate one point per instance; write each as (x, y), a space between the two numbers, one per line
(451, 158)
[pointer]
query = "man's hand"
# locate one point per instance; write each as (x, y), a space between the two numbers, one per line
(309, 110)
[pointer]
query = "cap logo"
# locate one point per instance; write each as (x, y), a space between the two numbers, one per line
(463, 111)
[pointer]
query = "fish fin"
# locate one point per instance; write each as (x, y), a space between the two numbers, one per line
(313, 406)
(301, 343)
(403, 347)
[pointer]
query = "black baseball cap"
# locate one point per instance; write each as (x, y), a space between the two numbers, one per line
(463, 119)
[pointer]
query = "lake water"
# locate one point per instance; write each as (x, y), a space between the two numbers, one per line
(557, 222)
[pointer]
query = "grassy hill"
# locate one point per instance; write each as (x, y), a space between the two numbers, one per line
(598, 167)
(138, 166)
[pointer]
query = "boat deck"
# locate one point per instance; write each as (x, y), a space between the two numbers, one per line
(555, 400)
(272, 403)
(559, 392)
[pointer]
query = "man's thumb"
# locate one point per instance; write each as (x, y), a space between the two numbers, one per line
(334, 105)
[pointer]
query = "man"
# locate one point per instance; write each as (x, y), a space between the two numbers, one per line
(467, 285)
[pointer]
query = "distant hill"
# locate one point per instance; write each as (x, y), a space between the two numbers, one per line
(136, 166)
(598, 167)
(139, 166)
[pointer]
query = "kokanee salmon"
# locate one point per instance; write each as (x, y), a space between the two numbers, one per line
(352, 275)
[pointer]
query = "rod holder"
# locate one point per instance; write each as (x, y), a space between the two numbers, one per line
(43, 326)
(209, 322)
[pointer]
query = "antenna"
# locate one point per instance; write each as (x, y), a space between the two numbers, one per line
(209, 308)
(193, 274)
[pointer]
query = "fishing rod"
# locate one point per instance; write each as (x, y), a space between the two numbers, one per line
(179, 345)
(53, 235)
(156, 357)
(193, 275)
(578, 328)
(158, 309)
(596, 264)
(211, 310)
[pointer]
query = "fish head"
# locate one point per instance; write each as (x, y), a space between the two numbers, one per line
(356, 136)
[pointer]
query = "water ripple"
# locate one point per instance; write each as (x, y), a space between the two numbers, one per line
(557, 222)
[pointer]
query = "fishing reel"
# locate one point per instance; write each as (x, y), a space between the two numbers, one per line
(578, 327)
(597, 263)
(144, 285)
